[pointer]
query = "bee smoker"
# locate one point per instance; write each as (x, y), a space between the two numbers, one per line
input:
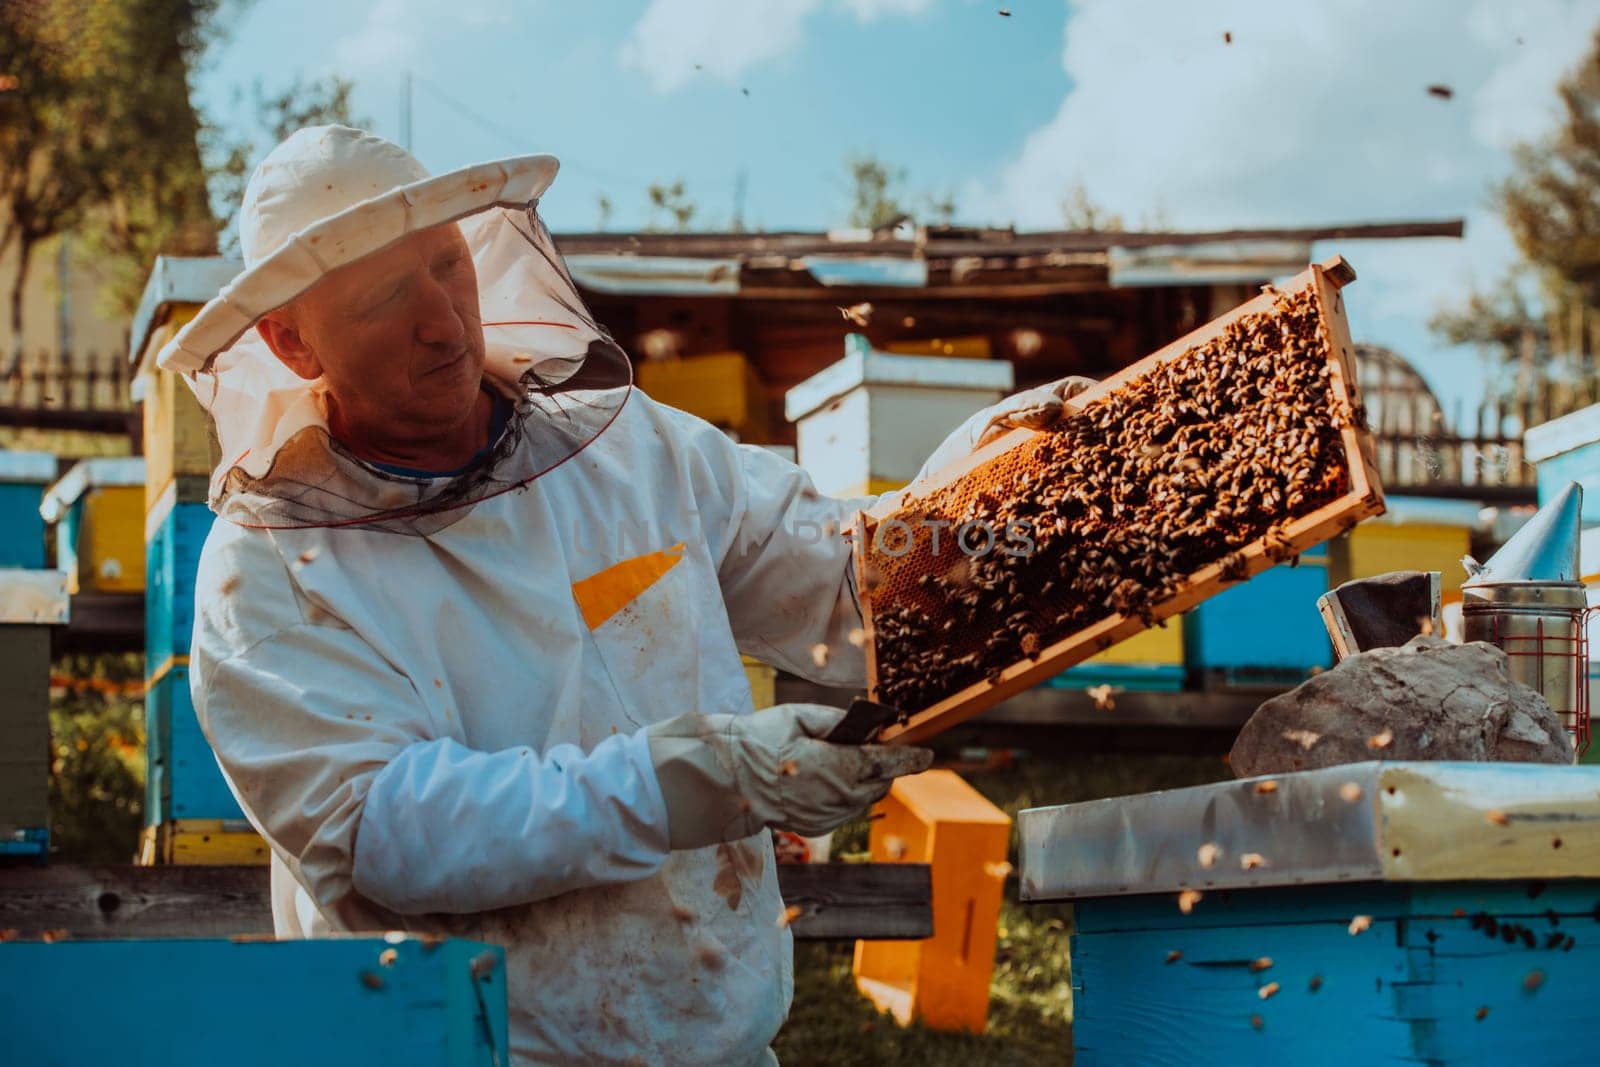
(1529, 601)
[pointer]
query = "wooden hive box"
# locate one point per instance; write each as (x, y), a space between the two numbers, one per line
(970, 655)
(721, 387)
(1380, 912)
(98, 513)
(392, 999)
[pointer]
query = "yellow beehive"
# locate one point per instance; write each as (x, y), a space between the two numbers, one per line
(204, 842)
(1416, 534)
(1159, 645)
(177, 435)
(97, 510)
(943, 981)
(720, 387)
(955, 347)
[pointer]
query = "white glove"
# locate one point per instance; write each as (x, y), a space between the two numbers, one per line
(725, 777)
(1038, 408)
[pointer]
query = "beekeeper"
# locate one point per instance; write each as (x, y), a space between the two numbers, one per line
(468, 626)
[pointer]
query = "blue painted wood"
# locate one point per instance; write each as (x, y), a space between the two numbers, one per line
(182, 780)
(67, 537)
(252, 1003)
(1408, 989)
(1143, 678)
(172, 556)
(1268, 624)
(23, 845)
(21, 525)
(1581, 465)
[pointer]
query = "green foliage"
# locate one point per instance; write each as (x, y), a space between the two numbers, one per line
(1540, 325)
(96, 130)
(876, 196)
(1078, 212)
(879, 200)
(97, 765)
(231, 156)
(674, 200)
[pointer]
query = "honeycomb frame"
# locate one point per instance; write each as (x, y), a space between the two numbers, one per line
(1362, 498)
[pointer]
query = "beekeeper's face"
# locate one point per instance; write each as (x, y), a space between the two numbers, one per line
(396, 337)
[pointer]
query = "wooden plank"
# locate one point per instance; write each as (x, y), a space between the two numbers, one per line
(845, 901)
(145, 902)
(1363, 499)
(838, 901)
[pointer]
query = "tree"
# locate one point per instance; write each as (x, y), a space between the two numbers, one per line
(1078, 212)
(876, 199)
(1539, 325)
(675, 202)
(96, 122)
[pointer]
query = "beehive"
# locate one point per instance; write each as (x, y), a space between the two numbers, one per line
(1230, 450)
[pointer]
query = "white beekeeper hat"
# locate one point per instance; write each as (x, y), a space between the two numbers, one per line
(328, 196)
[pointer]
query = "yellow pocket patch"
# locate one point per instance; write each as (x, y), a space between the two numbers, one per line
(602, 595)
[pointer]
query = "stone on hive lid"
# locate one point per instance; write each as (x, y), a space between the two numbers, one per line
(1426, 700)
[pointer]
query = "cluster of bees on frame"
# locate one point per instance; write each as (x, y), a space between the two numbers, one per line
(1180, 468)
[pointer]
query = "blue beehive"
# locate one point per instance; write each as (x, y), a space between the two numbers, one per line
(1568, 450)
(1263, 631)
(1435, 913)
(176, 534)
(182, 779)
(23, 477)
(389, 1000)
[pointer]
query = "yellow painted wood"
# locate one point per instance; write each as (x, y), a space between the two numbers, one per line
(1157, 645)
(177, 434)
(111, 541)
(163, 667)
(938, 819)
(1378, 548)
(208, 842)
(720, 387)
(1445, 821)
(959, 347)
(763, 682)
(602, 595)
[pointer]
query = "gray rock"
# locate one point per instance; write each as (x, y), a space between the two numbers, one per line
(1437, 700)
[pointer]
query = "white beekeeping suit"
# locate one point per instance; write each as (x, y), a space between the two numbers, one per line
(455, 703)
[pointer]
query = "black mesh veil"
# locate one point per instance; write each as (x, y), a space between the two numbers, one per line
(565, 378)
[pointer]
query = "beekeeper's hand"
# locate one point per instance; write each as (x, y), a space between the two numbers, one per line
(1038, 408)
(725, 777)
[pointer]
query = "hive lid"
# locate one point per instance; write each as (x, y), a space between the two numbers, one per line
(1400, 821)
(1544, 550)
(863, 365)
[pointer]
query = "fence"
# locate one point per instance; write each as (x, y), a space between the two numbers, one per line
(67, 391)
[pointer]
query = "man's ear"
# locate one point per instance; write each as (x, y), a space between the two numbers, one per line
(282, 334)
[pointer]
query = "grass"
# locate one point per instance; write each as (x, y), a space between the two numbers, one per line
(1030, 994)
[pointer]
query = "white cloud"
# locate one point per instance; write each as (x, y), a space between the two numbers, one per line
(872, 10)
(394, 31)
(674, 40)
(1314, 113)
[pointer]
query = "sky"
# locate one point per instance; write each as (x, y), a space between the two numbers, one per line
(1227, 113)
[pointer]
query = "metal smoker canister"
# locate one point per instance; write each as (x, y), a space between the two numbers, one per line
(1539, 626)
(1528, 601)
